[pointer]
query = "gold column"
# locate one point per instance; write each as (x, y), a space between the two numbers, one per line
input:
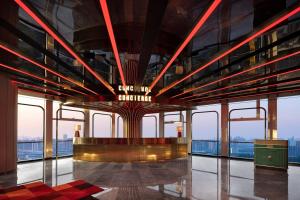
(224, 129)
(272, 117)
(189, 130)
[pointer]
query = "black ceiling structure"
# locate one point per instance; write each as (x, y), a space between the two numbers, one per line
(152, 32)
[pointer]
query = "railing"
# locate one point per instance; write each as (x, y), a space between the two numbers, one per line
(205, 147)
(242, 149)
(33, 150)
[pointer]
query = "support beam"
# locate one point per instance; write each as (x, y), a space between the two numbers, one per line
(8, 125)
(86, 130)
(224, 129)
(113, 125)
(272, 117)
(49, 130)
(189, 130)
(161, 125)
(154, 18)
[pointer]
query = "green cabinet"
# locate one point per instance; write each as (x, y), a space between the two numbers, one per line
(271, 153)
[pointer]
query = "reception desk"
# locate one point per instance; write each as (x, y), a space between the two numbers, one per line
(128, 149)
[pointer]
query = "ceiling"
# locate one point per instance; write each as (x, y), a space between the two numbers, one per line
(188, 52)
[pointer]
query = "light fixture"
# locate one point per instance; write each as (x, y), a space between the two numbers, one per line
(110, 30)
(237, 74)
(36, 63)
(190, 36)
(249, 89)
(63, 43)
(235, 47)
(41, 88)
(246, 82)
(39, 78)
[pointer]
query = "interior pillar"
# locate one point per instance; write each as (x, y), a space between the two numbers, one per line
(161, 125)
(132, 126)
(86, 126)
(113, 125)
(272, 117)
(224, 129)
(189, 130)
(49, 130)
(8, 125)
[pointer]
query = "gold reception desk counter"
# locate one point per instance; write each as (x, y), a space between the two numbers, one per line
(128, 149)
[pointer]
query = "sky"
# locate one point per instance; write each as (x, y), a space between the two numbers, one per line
(204, 126)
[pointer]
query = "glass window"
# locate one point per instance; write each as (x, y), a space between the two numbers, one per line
(205, 130)
(30, 135)
(102, 124)
(245, 126)
(150, 126)
(288, 126)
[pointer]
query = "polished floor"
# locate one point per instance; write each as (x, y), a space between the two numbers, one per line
(193, 178)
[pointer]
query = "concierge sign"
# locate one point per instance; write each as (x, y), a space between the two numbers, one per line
(135, 93)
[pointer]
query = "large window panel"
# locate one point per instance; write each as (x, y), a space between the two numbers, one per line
(288, 126)
(205, 130)
(30, 135)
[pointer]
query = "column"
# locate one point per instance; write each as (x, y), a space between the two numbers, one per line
(189, 130)
(224, 129)
(8, 125)
(86, 130)
(161, 123)
(113, 125)
(272, 117)
(49, 129)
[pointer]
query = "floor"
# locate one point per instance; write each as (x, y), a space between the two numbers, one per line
(193, 178)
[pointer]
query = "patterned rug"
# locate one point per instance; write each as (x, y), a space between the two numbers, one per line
(76, 190)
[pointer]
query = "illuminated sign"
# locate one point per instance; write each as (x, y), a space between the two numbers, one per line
(134, 97)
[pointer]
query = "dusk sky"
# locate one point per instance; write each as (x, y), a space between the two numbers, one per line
(204, 125)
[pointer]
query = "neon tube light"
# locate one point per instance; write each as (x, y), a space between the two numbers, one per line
(110, 30)
(42, 88)
(249, 89)
(196, 28)
(239, 73)
(51, 32)
(18, 54)
(227, 52)
(39, 78)
(259, 94)
(247, 82)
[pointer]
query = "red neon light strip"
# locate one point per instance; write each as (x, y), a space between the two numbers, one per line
(248, 82)
(249, 89)
(227, 52)
(261, 94)
(196, 28)
(112, 40)
(39, 78)
(62, 43)
(42, 88)
(44, 67)
(38, 92)
(239, 73)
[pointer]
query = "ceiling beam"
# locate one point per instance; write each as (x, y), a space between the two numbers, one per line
(111, 34)
(38, 18)
(65, 87)
(154, 18)
(12, 29)
(284, 16)
(38, 64)
(190, 36)
(238, 74)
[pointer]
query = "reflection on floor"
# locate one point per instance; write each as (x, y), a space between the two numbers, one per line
(193, 178)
